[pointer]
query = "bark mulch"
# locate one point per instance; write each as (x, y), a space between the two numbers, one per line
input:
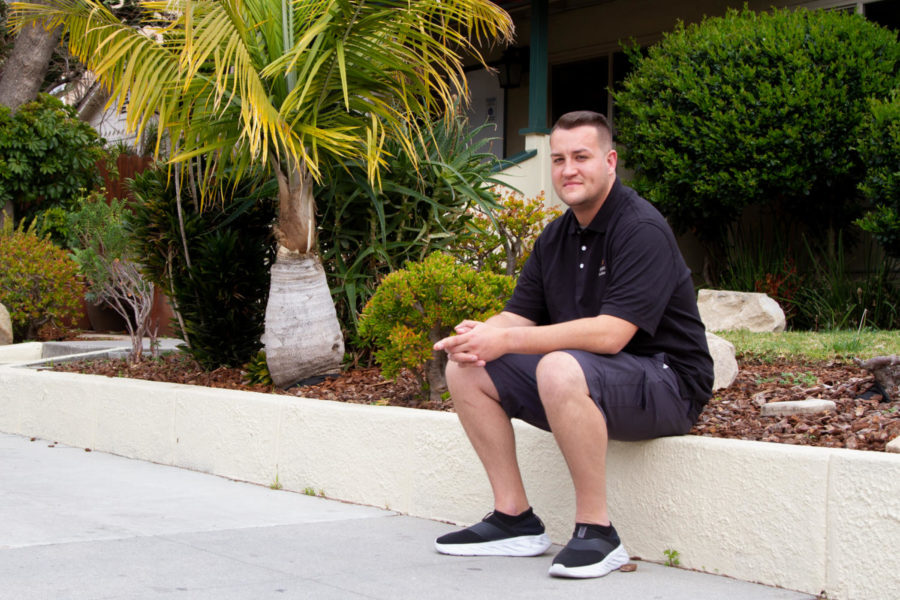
(861, 421)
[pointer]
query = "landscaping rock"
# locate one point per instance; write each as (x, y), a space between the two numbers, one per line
(723, 310)
(6, 332)
(893, 445)
(796, 407)
(886, 370)
(724, 363)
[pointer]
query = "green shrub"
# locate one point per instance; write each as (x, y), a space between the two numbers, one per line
(880, 149)
(755, 109)
(48, 156)
(214, 268)
(415, 307)
(500, 240)
(97, 235)
(53, 222)
(39, 282)
(366, 230)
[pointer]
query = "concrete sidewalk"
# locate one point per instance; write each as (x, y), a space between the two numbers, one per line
(77, 524)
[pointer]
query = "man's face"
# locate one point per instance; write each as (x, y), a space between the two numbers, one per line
(583, 169)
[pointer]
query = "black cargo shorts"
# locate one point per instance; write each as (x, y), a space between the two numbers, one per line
(638, 395)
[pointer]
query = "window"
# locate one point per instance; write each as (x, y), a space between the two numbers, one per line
(884, 12)
(579, 86)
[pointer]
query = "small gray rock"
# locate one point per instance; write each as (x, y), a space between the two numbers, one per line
(759, 399)
(893, 445)
(796, 407)
(886, 370)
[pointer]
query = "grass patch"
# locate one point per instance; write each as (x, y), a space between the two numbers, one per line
(821, 345)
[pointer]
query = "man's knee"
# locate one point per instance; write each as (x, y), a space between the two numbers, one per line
(465, 383)
(559, 376)
(452, 372)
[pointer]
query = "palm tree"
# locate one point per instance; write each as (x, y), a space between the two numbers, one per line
(286, 84)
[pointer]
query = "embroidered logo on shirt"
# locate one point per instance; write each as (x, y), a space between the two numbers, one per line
(602, 270)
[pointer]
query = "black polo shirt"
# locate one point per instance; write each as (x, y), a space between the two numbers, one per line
(627, 264)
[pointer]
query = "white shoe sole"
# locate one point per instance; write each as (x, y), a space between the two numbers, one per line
(613, 561)
(525, 545)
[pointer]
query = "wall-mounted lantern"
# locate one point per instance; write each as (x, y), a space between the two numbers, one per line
(512, 66)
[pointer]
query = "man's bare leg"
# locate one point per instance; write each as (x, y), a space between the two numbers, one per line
(580, 432)
(512, 529)
(491, 434)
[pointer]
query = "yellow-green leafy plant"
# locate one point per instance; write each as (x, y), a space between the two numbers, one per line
(256, 371)
(415, 307)
(502, 240)
(39, 282)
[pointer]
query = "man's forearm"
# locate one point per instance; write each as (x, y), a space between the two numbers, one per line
(508, 333)
(507, 319)
(602, 335)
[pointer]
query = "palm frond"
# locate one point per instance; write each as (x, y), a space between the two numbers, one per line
(216, 72)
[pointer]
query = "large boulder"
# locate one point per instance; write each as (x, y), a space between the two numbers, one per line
(6, 333)
(724, 363)
(722, 310)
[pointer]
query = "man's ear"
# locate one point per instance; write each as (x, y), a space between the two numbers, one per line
(612, 159)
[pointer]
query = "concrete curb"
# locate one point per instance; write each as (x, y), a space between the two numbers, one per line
(807, 519)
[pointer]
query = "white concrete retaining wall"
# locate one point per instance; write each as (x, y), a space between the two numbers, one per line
(807, 519)
(15, 353)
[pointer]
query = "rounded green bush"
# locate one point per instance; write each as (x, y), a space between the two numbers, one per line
(755, 109)
(415, 307)
(880, 149)
(39, 283)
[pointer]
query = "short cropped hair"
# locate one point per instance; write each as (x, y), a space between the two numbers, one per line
(578, 118)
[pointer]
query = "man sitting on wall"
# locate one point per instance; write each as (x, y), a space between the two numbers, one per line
(600, 340)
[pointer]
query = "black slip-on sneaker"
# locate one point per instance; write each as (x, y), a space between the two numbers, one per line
(493, 537)
(589, 555)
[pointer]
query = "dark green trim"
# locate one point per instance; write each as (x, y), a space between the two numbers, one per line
(514, 160)
(528, 130)
(537, 83)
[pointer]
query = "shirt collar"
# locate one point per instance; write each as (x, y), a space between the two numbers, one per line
(604, 215)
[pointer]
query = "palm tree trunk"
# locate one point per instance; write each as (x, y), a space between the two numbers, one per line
(303, 336)
(24, 70)
(302, 333)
